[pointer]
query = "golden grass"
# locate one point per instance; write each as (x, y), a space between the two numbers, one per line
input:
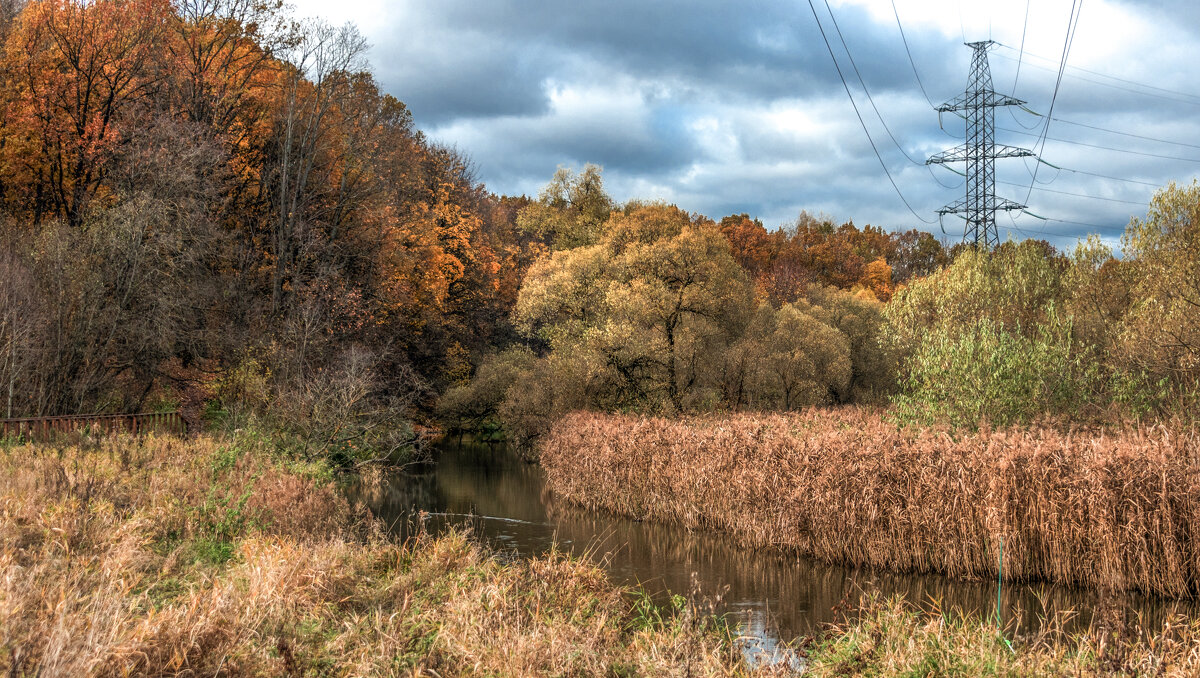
(207, 557)
(894, 638)
(1115, 511)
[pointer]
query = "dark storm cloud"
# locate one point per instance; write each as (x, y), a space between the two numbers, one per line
(736, 107)
(453, 85)
(466, 59)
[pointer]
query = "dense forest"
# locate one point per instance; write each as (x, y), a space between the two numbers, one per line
(209, 205)
(206, 203)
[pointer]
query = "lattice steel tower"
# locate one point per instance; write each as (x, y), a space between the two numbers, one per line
(980, 151)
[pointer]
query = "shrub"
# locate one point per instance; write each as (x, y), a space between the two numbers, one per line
(985, 372)
(474, 407)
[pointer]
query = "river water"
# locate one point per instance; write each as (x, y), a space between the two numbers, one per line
(771, 596)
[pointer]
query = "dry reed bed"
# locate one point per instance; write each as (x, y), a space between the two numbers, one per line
(162, 557)
(1109, 511)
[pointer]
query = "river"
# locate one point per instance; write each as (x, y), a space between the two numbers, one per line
(772, 597)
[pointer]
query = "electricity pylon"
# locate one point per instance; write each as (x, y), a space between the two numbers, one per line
(980, 152)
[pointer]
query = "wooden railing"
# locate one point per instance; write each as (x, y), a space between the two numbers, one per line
(43, 427)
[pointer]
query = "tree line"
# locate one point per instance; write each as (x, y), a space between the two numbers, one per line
(646, 308)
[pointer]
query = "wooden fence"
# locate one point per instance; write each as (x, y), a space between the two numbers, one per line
(35, 428)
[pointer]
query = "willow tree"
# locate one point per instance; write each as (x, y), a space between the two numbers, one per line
(570, 211)
(791, 359)
(656, 292)
(677, 286)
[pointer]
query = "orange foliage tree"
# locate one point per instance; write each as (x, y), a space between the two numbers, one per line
(785, 262)
(81, 73)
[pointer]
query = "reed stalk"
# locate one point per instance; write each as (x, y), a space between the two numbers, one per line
(1108, 510)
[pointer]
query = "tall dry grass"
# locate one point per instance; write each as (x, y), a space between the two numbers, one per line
(1111, 511)
(208, 557)
(894, 638)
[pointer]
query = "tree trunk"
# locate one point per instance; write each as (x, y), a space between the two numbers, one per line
(672, 378)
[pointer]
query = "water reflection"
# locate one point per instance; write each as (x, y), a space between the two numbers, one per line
(771, 594)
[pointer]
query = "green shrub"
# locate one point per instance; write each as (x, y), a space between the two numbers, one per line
(473, 407)
(985, 371)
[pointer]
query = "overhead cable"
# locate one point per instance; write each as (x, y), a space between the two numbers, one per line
(857, 113)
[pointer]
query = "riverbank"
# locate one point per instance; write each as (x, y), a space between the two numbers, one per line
(159, 556)
(1115, 511)
(895, 638)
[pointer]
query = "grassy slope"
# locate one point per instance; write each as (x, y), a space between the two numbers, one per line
(164, 557)
(892, 638)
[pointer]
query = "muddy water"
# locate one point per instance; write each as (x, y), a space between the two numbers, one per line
(772, 596)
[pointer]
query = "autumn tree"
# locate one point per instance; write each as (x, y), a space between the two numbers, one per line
(750, 244)
(915, 254)
(571, 209)
(1101, 291)
(1016, 286)
(679, 283)
(82, 76)
(223, 62)
(564, 295)
(785, 262)
(318, 79)
(630, 321)
(794, 359)
(859, 317)
(1163, 328)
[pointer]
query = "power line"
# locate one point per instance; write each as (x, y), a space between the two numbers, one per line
(1027, 234)
(910, 56)
(958, 185)
(1092, 174)
(1018, 120)
(1113, 131)
(961, 27)
(1193, 102)
(1072, 25)
(1110, 77)
(1104, 176)
(1078, 195)
(842, 77)
(1059, 170)
(1021, 54)
(1106, 148)
(1065, 221)
(1017, 77)
(863, 82)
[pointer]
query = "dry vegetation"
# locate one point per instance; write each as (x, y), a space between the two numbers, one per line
(207, 557)
(1116, 511)
(893, 638)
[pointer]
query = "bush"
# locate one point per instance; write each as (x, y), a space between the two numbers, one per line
(344, 413)
(986, 372)
(474, 407)
(555, 385)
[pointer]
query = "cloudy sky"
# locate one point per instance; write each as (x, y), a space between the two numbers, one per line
(726, 107)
